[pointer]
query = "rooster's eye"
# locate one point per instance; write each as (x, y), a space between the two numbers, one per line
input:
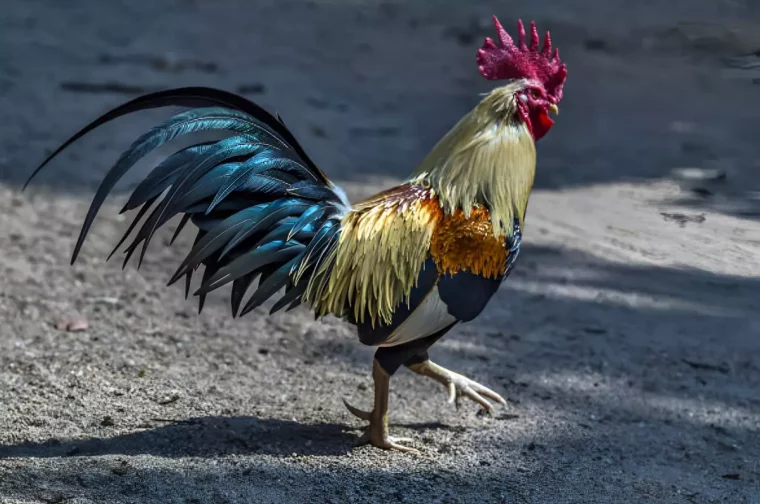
(535, 93)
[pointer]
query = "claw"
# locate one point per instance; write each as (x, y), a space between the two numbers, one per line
(364, 415)
(386, 442)
(479, 399)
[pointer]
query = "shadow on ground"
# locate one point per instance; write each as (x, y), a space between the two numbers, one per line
(202, 437)
(267, 482)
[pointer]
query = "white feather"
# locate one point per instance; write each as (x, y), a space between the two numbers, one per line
(428, 318)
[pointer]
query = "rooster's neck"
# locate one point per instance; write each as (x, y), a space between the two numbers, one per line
(487, 159)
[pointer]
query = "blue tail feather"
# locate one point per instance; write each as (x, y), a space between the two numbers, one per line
(311, 215)
(291, 297)
(140, 213)
(189, 275)
(162, 176)
(250, 262)
(262, 208)
(180, 226)
(239, 288)
(270, 285)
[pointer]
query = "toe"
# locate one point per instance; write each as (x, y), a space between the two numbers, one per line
(487, 392)
(392, 444)
(469, 392)
(452, 392)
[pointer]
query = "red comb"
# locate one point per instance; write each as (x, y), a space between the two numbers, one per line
(510, 61)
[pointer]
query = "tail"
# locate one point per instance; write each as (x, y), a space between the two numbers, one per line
(261, 206)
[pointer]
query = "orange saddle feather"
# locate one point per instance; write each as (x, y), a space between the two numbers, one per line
(460, 243)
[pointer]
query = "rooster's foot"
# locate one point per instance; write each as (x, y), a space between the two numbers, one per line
(458, 385)
(377, 433)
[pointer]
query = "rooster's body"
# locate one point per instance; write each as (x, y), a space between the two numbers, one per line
(404, 266)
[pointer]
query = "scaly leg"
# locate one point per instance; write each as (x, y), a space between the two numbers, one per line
(457, 384)
(377, 433)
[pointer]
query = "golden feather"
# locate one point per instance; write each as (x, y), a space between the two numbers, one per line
(383, 245)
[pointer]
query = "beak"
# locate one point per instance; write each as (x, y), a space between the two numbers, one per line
(553, 109)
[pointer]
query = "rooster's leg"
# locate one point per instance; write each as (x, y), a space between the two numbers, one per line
(377, 433)
(457, 384)
(387, 361)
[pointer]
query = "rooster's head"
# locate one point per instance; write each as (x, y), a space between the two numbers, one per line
(540, 72)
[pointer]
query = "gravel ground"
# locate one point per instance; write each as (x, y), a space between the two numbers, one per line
(626, 340)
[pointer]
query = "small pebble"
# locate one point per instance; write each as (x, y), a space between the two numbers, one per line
(72, 323)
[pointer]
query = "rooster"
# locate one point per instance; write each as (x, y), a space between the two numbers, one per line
(404, 266)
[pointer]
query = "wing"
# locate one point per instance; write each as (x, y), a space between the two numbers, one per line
(383, 245)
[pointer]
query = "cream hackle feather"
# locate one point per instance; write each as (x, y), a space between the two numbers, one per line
(488, 158)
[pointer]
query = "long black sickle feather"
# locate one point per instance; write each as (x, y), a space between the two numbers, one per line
(187, 97)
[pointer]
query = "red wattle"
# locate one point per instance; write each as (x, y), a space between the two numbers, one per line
(542, 123)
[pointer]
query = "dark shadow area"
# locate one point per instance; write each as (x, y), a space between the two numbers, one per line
(212, 437)
(202, 437)
(738, 196)
(532, 471)
(266, 482)
(369, 91)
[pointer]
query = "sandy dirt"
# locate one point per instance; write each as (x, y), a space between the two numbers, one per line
(627, 339)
